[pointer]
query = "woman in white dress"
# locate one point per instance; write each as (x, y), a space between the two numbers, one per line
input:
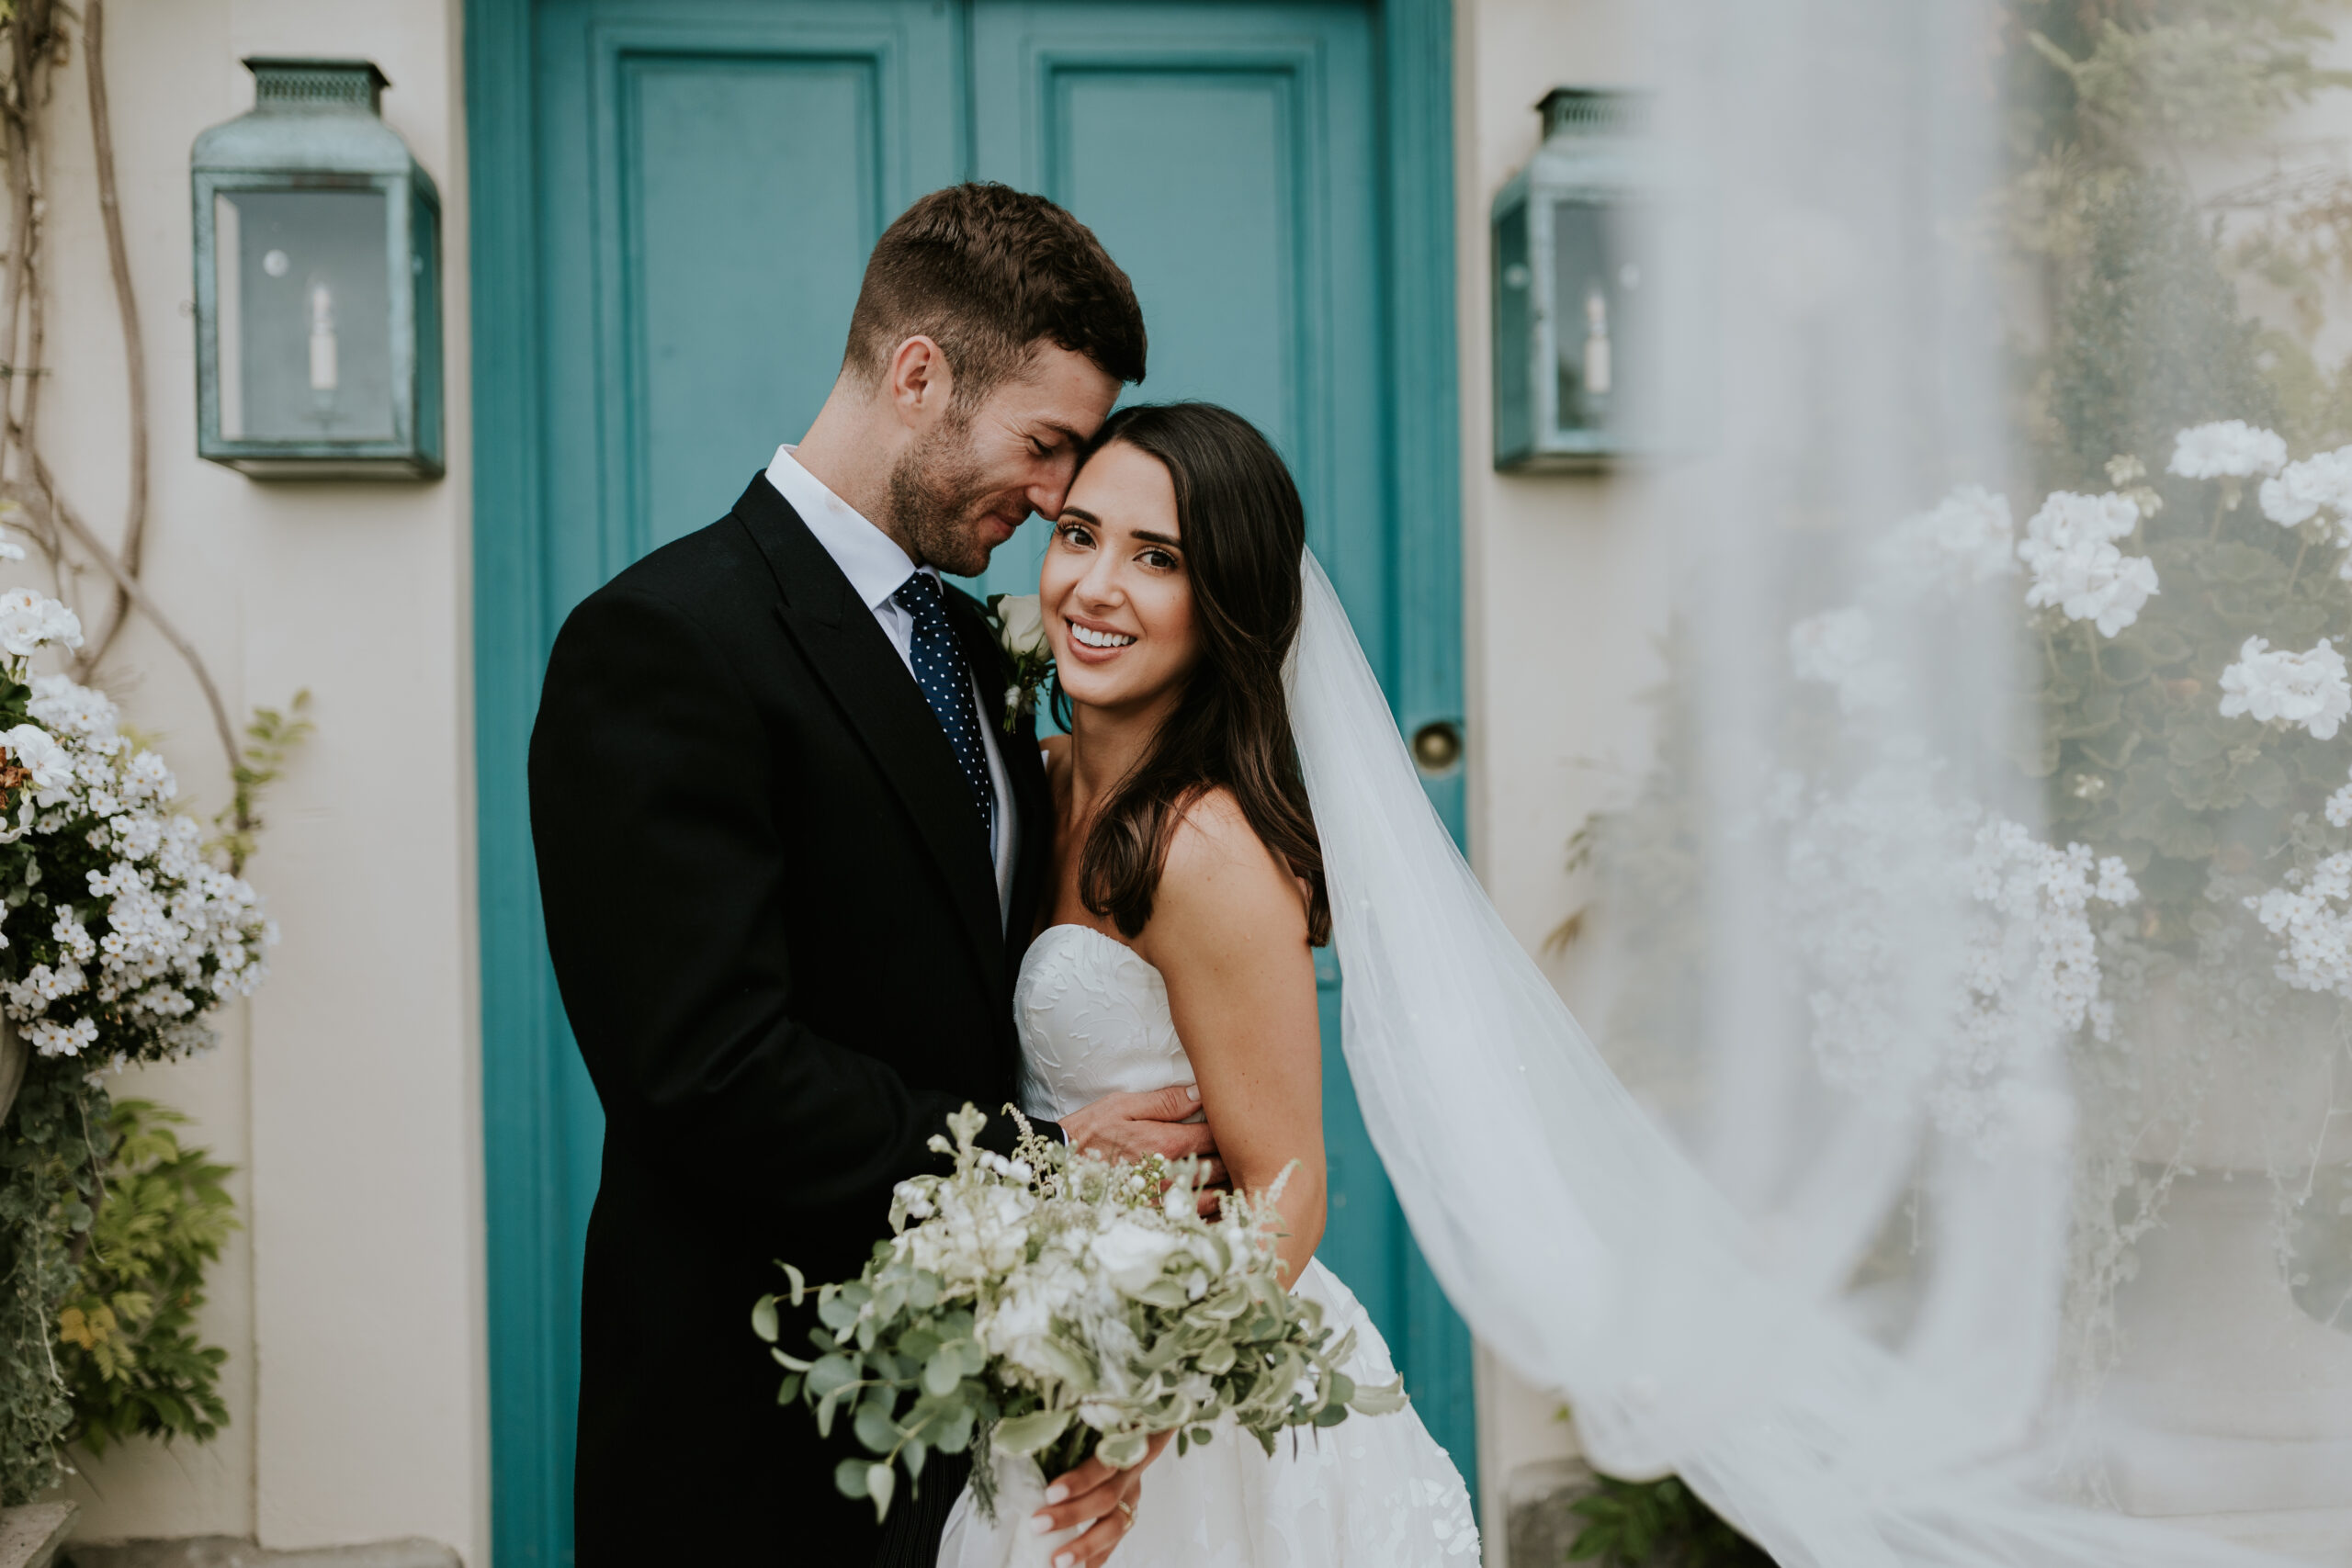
(1178, 948)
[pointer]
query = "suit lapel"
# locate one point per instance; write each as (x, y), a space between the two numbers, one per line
(886, 710)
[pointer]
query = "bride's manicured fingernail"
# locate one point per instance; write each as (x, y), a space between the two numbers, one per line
(1065, 1560)
(1192, 1091)
(1040, 1523)
(1057, 1492)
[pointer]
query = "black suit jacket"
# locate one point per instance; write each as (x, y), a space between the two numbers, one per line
(776, 926)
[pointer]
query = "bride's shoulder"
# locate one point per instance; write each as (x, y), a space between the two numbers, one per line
(1219, 868)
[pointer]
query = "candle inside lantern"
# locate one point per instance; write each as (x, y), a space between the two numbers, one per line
(322, 344)
(1597, 367)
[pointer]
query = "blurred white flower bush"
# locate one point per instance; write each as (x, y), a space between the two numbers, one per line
(118, 932)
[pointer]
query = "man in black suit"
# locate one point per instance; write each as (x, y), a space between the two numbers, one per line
(789, 857)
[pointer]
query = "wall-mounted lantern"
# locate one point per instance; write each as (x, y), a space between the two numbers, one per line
(317, 280)
(1575, 284)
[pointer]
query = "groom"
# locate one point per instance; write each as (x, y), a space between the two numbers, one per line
(789, 857)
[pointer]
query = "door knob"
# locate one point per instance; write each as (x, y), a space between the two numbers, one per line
(1437, 746)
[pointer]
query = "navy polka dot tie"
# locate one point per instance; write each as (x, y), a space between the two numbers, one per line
(947, 682)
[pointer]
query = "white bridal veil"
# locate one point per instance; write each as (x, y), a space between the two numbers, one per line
(1870, 1213)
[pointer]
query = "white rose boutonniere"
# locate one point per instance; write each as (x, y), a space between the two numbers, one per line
(1019, 626)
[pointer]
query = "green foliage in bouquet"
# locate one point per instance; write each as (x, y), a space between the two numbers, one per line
(1651, 1524)
(132, 1361)
(1060, 1307)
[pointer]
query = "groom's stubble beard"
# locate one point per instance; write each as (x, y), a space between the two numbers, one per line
(938, 496)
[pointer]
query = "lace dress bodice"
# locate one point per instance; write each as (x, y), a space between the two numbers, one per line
(1093, 1020)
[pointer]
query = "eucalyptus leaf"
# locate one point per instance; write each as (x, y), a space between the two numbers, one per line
(763, 1318)
(1027, 1434)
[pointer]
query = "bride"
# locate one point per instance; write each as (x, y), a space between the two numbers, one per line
(1177, 947)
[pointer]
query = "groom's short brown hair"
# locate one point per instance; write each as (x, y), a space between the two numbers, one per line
(987, 272)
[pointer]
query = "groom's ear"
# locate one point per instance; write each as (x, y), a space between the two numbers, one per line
(918, 382)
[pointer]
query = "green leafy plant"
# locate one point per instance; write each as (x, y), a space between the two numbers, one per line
(271, 737)
(51, 1156)
(127, 1347)
(1638, 1524)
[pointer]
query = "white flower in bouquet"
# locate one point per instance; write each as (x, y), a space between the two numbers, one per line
(2229, 448)
(2275, 686)
(1054, 1306)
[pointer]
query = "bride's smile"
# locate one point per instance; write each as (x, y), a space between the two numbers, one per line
(1119, 602)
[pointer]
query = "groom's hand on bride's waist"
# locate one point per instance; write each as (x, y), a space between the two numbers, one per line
(1164, 1121)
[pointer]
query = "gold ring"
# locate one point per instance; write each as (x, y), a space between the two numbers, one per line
(1129, 1510)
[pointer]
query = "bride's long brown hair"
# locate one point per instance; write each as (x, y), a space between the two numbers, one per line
(1243, 531)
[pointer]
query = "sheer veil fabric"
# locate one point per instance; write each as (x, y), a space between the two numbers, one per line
(1809, 1236)
(1587, 1249)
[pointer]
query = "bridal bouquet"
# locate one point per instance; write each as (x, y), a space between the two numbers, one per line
(1054, 1306)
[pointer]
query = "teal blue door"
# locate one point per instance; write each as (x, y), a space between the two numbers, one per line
(680, 207)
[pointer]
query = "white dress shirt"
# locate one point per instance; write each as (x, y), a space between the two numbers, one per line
(876, 569)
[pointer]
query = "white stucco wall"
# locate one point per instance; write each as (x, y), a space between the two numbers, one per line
(351, 1304)
(1565, 593)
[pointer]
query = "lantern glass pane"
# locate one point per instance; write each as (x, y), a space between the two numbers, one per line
(304, 308)
(1601, 280)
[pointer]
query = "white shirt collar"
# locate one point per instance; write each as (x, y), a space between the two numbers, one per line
(872, 560)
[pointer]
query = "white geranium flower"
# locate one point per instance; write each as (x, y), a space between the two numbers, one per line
(2069, 549)
(34, 750)
(31, 622)
(2278, 687)
(1838, 647)
(2229, 448)
(1967, 537)
(2303, 490)
(2339, 807)
(11, 550)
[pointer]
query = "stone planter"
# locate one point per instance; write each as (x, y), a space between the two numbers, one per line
(30, 1536)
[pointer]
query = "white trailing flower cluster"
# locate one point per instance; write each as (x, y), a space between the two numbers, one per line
(2312, 915)
(116, 933)
(1862, 866)
(2031, 958)
(2070, 549)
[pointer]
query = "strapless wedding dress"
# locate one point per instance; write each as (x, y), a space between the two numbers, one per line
(1374, 1492)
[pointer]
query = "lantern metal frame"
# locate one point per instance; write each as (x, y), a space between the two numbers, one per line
(1595, 153)
(317, 125)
